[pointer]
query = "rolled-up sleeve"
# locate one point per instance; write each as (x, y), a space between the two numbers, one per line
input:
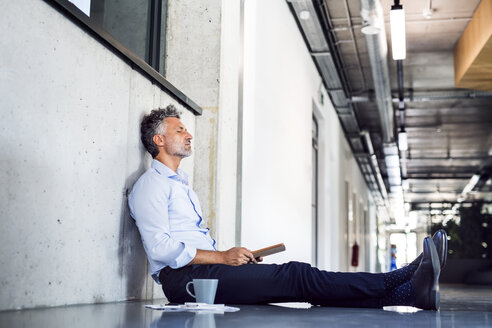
(148, 204)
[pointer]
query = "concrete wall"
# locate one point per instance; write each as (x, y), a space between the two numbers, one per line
(70, 147)
(203, 60)
(193, 66)
(69, 150)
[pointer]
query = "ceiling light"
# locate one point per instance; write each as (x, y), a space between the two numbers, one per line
(428, 13)
(405, 184)
(428, 10)
(304, 15)
(397, 23)
(402, 141)
(370, 29)
(471, 184)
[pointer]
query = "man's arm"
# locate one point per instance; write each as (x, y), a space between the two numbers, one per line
(149, 206)
(234, 256)
(148, 203)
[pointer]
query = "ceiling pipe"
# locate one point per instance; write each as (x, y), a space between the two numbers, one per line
(317, 33)
(402, 135)
(374, 164)
(424, 96)
(377, 48)
(428, 10)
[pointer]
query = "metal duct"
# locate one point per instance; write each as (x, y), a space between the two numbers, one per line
(321, 46)
(377, 48)
(374, 163)
(429, 95)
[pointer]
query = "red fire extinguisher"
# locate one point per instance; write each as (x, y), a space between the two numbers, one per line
(355, 254)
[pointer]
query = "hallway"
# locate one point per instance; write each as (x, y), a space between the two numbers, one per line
(461, 306)
(306, 131)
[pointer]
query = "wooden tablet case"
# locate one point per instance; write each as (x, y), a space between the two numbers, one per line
(269, 250)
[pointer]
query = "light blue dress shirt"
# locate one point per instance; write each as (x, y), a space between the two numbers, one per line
(169, 218)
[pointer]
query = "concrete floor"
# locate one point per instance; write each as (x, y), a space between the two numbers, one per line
(461, 306)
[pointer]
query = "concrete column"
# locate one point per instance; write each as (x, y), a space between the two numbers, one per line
(193, 66)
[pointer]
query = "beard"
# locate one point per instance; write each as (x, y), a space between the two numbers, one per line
(178, 149)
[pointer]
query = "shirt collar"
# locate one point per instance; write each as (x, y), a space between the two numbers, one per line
(162, 169)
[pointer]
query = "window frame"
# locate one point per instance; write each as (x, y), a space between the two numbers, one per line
(69, 10)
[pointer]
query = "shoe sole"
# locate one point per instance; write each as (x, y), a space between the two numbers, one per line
(445, 248)
(436, 267)
(444, 251)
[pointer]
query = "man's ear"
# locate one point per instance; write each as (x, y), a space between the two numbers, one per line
(158, 139)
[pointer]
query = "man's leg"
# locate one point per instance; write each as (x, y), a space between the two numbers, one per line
(264, 283)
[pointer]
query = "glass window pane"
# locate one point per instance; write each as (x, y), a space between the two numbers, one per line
(125, 20)
(162, 44)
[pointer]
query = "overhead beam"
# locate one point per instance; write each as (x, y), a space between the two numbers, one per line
(473, 52)
(425, 95)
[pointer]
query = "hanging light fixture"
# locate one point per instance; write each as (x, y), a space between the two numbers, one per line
(402, 140)
(397, 24)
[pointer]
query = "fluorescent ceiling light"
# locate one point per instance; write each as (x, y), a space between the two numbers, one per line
(427, 12)
(370, 29)
(397, 24)
(471, 184)
(304, 15)
(402, 141)
(392, 161)
(405, 185)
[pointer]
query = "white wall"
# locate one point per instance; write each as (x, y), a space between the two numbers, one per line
(228, 143)
(278, 87)
(339, 169)
(281, 84)
(69, 150)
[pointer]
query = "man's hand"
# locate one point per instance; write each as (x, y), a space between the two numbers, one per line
(234, 256)
(238, 256)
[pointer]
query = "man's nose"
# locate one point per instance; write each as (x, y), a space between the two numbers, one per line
(189, 136)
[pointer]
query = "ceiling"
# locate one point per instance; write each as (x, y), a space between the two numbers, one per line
(449, 129)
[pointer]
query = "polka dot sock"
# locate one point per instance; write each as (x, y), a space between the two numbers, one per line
(398, 277)
(401, 295)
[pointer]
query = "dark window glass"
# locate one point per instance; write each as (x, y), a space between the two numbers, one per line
(126, 20)
(138, 24)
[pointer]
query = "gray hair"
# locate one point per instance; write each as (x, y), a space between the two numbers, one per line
(154, 123)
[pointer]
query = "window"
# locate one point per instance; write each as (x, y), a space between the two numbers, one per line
(138, 24)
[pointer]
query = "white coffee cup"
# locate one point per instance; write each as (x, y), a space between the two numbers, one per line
(205, 290)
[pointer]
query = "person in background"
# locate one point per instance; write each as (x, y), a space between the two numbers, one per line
(393, 257)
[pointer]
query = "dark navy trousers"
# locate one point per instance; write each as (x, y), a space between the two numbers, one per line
(267, 283)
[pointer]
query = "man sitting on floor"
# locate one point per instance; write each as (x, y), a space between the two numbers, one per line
(179, 247)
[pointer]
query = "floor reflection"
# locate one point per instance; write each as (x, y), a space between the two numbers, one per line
(470, 307)
(270, 316)
(185, 319)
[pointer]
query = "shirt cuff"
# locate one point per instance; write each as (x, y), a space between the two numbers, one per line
(186, 256)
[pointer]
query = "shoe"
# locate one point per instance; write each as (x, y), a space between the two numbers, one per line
(425, 280)
(440, 239)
